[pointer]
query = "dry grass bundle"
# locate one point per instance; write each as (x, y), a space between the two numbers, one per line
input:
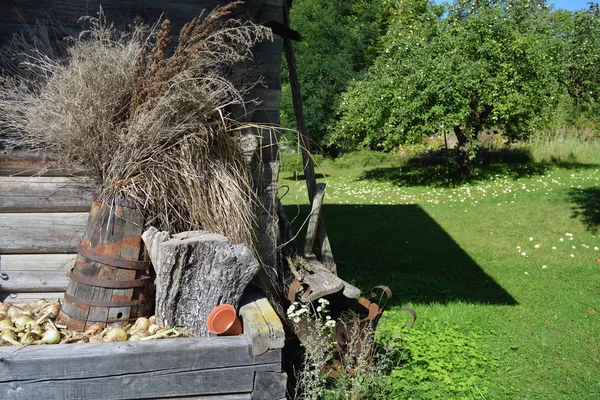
(150, 127)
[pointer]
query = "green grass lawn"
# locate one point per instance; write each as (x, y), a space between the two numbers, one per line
(503, 271)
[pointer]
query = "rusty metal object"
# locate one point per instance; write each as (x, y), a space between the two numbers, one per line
(352, 337)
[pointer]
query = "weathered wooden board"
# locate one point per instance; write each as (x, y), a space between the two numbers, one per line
(45, 194)
(261, 323)
(31, 297)
(33, 281)
(158, 369)
(59, 263)
(269, 386)
(26, 233)
(158, 384)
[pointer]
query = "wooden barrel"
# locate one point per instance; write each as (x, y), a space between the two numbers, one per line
(112, 281)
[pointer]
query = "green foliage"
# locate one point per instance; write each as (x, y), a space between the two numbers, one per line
(582, 59)
(443, 361)
(466, 67)
(339, 41)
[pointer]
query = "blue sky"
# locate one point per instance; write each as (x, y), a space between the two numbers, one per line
(571, 5)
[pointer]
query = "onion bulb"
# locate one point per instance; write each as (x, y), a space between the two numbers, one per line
(141, 324)
(51, 336)
(10, 337)
(152, 329)
(6, 324)
(22, 320)
(13, 312)
(116, 335)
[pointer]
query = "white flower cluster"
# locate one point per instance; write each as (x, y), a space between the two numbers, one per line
(297, 311)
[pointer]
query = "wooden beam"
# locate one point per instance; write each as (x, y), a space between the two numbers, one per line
(25, 298)
(27, 233)
(33, 281)
(69, 361)
(313, 220)
(57, 263)
(45, 194)
(261, 324)
(309, 170)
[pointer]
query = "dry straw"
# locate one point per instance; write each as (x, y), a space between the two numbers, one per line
(149, 121)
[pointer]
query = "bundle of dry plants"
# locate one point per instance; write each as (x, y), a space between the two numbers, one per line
(150, 121)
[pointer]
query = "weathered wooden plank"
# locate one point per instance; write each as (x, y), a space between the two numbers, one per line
(277, 3)
(244, 396)
(33, 281)
(26, 233)
(23, 298)
(270, 100)
(45, 194)
(130, 250)
(58, 263)
(100, 360)
(269, 386)
(270, 12)
(261, 324)
(158, 384)
(313, 221)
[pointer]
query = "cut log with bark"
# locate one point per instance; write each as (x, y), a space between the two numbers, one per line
(197, 271)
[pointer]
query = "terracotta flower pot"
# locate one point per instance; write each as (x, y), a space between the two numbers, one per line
(223, 321)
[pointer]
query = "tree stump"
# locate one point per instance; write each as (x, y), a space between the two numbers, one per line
(198, 271)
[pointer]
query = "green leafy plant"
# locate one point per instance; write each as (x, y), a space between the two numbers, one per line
(442, 361)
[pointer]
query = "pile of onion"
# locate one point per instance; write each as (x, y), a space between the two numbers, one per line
(35, 324)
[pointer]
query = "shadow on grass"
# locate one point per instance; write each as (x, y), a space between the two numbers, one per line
(419, 174)
(586, 206)
(402, 247)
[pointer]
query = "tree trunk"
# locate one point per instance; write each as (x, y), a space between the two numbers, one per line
(197, 271)
(465, 163)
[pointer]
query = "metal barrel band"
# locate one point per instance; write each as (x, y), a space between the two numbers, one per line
(99, 320)
(112, 261)
(99, 303)
(109, 284)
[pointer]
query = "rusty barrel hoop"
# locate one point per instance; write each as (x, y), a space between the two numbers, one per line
(112, 281)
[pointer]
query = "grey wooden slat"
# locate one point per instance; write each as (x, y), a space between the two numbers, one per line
(45, 194)
(277, 3)
(158, 384)
(26, 233)
(244, 396)
(313, 221)
(270, 99)
(24, 298)
(58, 263)
(269, 386)
(33, 281)
(97, 360)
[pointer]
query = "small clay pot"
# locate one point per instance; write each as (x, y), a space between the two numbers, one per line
(223, 321)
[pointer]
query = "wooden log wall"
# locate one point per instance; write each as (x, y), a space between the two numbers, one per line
(42, 219)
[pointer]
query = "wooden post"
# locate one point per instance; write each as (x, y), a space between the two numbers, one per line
(309, 171)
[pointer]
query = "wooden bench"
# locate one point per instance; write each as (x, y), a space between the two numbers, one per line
(41, 221)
